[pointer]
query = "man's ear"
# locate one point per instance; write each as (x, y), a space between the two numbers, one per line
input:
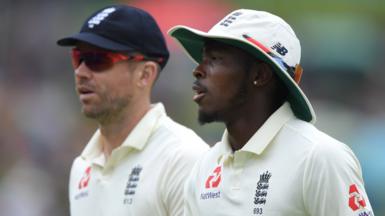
(262, 75)
(148, 73)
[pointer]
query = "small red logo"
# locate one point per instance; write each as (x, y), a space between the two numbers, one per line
(83, 183)
(356, 200)
(214, 180)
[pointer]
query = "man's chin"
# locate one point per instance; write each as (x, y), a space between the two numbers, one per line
(92, 114)
(206, 117)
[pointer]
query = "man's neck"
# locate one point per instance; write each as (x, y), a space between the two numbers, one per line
(247, 123)
(240, 131)
(116, 131)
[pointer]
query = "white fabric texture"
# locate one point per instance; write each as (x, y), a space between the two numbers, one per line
(288, 167)
(143, 176)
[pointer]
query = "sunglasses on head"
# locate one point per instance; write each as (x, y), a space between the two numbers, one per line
(103, 60)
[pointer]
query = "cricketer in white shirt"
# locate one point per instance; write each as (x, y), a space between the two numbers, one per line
(143, 176)
(288, 167)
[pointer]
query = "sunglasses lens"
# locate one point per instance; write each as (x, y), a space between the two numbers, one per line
(96, 61)
(75, 57)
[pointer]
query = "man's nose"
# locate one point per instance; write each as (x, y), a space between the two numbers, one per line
(199, 72)
(83, 72)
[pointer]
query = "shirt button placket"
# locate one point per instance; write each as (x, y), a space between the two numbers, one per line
(238, 164)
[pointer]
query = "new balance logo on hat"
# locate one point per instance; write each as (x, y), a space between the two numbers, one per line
(100, 17)
(280, 49)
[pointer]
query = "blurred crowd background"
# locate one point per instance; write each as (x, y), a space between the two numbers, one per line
(42, 129)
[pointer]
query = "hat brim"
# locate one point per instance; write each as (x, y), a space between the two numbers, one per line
(94, 40)
(192, 41)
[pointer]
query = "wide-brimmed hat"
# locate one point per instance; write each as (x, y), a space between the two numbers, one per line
(263, 35)
(122, 28)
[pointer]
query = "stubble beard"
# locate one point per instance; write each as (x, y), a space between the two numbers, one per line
(239, 99)
(108, 111)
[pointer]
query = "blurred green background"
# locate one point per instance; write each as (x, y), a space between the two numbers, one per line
(42, 129)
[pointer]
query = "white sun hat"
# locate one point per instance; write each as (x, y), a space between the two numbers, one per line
(265, 36)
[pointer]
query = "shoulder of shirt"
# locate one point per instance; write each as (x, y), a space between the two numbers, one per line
(320, 146)
(210, 156)
(312, 135)
(79, 164)
(181, 138)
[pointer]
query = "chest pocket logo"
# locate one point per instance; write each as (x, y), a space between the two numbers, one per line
(83, 183)
(214, 179)
(132, 184)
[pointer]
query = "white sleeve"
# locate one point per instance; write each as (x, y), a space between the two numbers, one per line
(333, 183)
(73, 181)
(190, 206)
(180, 167)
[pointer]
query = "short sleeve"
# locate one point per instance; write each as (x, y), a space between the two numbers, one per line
(333, 183)
(190, 206)
(179, 169)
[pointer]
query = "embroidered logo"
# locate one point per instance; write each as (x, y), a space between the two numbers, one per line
(214, 180)
(261, 192)
(132, 184)
(280, 49)
(98, 18)
(356, 200)
(230, 19)
(83, 183)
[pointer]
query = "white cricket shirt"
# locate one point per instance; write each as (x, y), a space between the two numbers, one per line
(287, 168)
(143, 176)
